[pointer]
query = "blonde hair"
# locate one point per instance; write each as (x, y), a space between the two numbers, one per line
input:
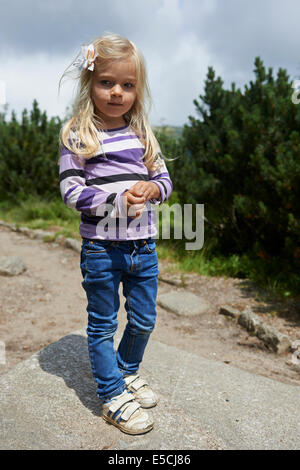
(85, 123)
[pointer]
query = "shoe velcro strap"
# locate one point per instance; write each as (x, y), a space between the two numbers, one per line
(130, 378)
(116, 405)
(138, 383)
(129, 410)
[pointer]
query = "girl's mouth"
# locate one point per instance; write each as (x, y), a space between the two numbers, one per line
(115, 104)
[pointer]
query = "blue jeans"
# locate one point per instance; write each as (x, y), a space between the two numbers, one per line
(104, 264)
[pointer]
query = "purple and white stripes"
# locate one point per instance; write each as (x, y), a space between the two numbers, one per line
(95, 187)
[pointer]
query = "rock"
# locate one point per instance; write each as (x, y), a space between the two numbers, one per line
(271, 337)
(35, 233)
(295, 348)
(249, 320)
(183, 303)
(7, 225)
(74, 244)
(49, 402)
(229, 311)
(11, 266)
(42, 235)
(26, 231)
(174, 281)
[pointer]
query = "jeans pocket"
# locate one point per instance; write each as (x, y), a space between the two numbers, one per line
(96, 252)
(150, 246)
(98, 247)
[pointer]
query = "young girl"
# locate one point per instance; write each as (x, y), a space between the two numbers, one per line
(112, 171)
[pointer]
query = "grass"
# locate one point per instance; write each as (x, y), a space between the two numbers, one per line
(53, 215)
(36, 213)
(274, 277)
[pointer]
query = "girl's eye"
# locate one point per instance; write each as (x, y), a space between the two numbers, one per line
(109, 83)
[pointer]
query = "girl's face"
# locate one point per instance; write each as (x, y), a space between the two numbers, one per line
(114, 92)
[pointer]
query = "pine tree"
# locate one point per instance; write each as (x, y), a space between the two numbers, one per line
(29, 155)
(242, 161)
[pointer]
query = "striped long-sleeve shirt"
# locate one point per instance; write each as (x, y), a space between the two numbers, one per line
(95, 187)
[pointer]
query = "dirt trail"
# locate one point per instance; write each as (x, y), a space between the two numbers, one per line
(47, 302)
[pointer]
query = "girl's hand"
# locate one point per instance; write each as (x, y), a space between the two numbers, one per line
(135, 204)
(138, 194)
(146, 189)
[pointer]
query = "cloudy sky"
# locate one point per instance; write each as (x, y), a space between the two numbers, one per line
(180, 39)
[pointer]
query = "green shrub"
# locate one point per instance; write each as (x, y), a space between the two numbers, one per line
(29, 155)
(241, 160)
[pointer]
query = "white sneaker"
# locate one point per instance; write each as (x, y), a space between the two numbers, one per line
(124, 412)
(142, 392)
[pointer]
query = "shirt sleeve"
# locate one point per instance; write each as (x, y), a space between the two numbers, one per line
(162, 179)
(77, 195)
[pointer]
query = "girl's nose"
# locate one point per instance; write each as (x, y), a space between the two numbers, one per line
(116, 90)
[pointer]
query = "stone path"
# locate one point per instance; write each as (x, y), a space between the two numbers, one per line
(49, 402)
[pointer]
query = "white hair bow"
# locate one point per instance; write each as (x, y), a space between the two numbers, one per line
(87, 58)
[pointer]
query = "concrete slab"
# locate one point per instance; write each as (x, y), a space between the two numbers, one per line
(49, 402)
(181, 303)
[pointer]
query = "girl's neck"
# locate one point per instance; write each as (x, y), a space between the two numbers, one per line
(113, 123)
(113, 128)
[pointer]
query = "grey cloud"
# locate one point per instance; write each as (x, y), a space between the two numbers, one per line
(236, 31)
(179, 38)
(54, 27)
(232, 31)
